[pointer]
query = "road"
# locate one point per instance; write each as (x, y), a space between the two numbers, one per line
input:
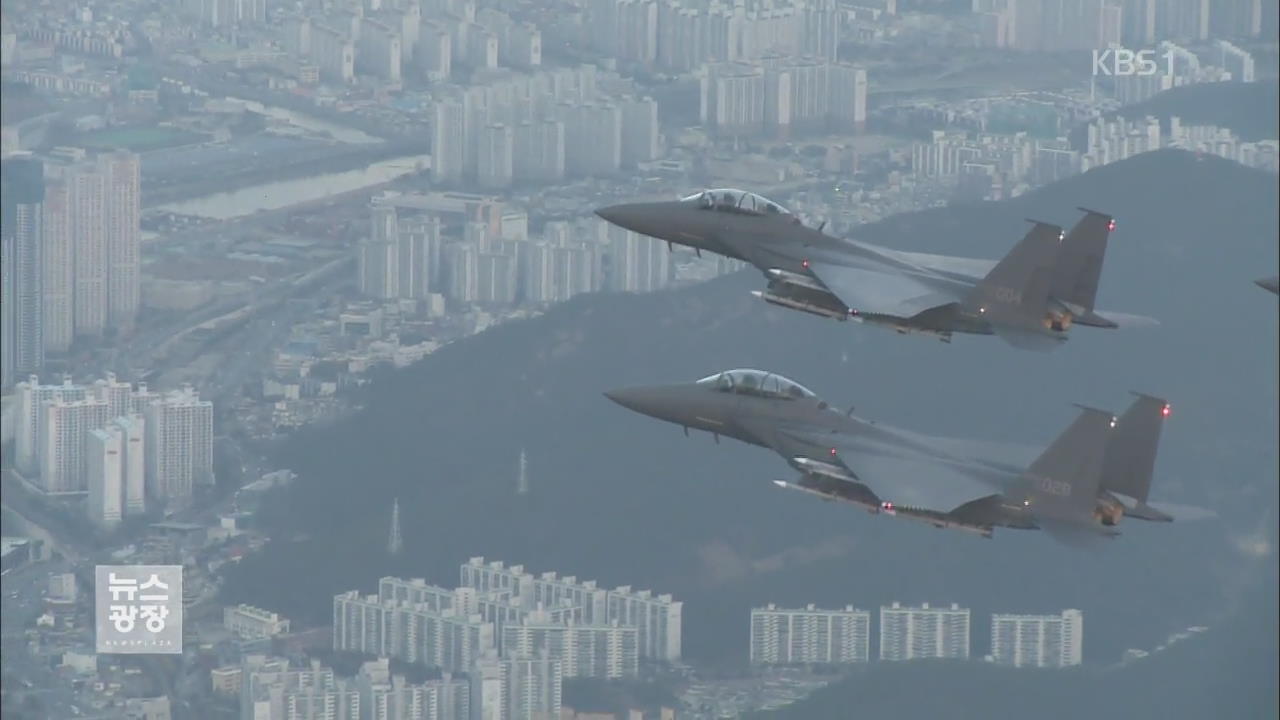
(30, 684)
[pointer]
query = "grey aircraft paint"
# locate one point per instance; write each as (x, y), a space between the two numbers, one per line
(1030, 298)
(1099, 469)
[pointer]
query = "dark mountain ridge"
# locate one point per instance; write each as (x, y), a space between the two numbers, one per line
(626, 500)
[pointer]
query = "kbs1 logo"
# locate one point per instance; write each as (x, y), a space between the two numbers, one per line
(1123, 62)
(138, 609)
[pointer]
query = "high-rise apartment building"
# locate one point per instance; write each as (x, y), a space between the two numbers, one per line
(115, 466)
(657, 618)
(639, 130)
(133, 464)
(600, 651)
(122, 211)
(63, 436)
(58, 265)
(94, 243)
(636, 263)
(533, 688)
(106, 487)
(27, 435)
(22, 280)
(384, 696)
(810, 635)
(511, 689)
(1038, 640)
(448, 638)
(271, 689)
(913, 633)
(379, 273)
(448, 141)
(495, 156)
(179, 446)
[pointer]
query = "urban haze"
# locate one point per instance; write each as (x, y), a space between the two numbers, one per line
(317, 317)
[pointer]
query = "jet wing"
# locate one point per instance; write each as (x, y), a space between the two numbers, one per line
(874, 292)
(967, 267)
(1126, 320)
(901, 474)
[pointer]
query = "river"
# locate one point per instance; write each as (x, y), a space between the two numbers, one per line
(274, 196)
(339, 132)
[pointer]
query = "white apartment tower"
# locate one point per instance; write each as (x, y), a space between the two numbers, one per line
(179, 446)
(115, 471)
(598, 651)
(105, 452)
(913, 633)
(657, 618)
(639, 130)
(636, 263)
(1048, 641)
(489, 689)
(533, 687)
(95, 262)
(810, 635)
(379, 255)
(58, 265)
(123, 234)
(23, 267)
(448, 141)
(495, 157)
(31, 398)
(117, 395)
(64, 432)
(133, 465)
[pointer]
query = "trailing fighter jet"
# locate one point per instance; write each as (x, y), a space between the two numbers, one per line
(1030, 298)
(1269, 283)
(1099, 469)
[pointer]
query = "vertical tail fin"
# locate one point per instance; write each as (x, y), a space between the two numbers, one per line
(1129, 463)
(1079, 266)
(1017, 289)
(1063, 483)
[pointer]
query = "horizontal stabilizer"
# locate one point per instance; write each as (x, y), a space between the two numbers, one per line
(1027, 338)
(1077, 535)
(1117, 320)
(1168, 512)
(1143, 511)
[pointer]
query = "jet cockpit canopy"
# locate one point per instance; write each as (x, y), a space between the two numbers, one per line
(733, 200)
(758, 383)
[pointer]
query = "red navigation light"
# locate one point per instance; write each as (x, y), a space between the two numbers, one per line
(1166, 410)
(833, 452)
(805, 263)
(1111, 224)
(887, 506)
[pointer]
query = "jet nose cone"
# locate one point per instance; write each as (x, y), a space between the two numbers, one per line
(629, 398)
(620, 215)
(637, 217)
(664, 402)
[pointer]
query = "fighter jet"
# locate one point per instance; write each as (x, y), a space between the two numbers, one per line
(1031, 298)
(1270, 283)
(1098, 470)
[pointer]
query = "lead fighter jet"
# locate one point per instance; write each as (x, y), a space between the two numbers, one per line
(1098, 470)
(1031, 298)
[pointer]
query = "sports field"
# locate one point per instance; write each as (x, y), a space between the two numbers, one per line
(139, 139)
